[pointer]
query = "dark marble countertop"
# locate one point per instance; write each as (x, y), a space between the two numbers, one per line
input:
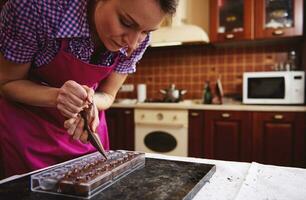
(232, 181)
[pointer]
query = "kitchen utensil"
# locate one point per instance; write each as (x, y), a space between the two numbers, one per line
(172, 94)
(93, 138)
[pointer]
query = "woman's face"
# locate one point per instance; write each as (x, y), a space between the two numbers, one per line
(126, 23)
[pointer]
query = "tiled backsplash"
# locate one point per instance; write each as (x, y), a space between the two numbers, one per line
(188, 67)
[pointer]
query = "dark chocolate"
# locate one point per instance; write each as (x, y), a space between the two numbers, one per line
(83, 178)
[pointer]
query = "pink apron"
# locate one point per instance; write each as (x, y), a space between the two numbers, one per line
(33, 137)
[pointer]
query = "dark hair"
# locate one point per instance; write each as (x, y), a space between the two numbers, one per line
(168, 6)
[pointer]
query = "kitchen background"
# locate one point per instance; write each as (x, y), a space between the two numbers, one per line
(245, 36)
(190, 66)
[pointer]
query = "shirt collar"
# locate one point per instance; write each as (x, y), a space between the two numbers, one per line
(123, 51)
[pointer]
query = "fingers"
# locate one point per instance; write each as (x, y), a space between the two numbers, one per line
(73, 97)
(94, 124)
(75, 89)
(69, 122)
(90, 93)
(95, 118)
(78, 130)
(72, 92)
(84, 137)
(75, 128)
(65, 96)
(72, 128)
(80, 133)
(66, 112)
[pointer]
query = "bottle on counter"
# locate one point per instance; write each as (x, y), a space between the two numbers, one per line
(291, 61)
(207, 95)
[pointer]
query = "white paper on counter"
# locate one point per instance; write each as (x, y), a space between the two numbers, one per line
(268, 182)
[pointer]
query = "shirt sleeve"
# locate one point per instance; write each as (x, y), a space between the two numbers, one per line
(127, 65)
(18, 25)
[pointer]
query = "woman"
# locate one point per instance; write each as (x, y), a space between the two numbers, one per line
(56, 58)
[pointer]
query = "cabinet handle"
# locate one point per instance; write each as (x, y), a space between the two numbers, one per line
(278, 32)
(229, 36)
(278, 117)
(127, 112)
(194, 114)
(225, 115)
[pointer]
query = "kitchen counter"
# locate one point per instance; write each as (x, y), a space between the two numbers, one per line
(249, 181)
(240, 181)
(195, 105)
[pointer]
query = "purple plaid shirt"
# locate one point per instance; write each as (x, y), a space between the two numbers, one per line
(30, 31)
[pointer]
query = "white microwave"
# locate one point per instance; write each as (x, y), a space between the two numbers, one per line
(277, 87)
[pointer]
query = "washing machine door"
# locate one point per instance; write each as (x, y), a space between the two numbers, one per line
(168, 141)
(160, 141)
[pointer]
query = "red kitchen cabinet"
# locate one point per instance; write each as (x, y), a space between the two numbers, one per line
(255, 19)
(279, 138)
(228, 135)
(231, 20)
(121, 128)
(278, 18)
(224, 135)
(195, 133)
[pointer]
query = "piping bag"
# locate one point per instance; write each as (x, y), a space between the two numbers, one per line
(93, 138)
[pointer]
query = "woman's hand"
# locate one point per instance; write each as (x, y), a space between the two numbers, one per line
(75, 126)
(72, 98)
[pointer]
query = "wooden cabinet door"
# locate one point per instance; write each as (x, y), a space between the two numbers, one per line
(279, 138)
(278, 18)
(231, 20)
(121, 128)
(195, 133)
(228, 135)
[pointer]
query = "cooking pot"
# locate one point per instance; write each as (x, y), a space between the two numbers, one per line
(172, 94)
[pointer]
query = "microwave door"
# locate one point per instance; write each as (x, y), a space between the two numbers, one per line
(266, 88)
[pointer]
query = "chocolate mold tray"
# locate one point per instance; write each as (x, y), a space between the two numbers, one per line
(86, 176)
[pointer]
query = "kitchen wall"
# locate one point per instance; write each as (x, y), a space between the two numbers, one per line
(190, 66)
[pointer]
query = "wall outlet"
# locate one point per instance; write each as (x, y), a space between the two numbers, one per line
(127, 88)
